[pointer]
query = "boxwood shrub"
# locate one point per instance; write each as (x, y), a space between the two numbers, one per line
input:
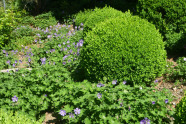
(169, 16)
(123, 48)
(100, 15)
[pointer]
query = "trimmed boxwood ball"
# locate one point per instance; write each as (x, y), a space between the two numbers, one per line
(100, 15)
(124, 48)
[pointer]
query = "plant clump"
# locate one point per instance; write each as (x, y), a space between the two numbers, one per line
(124, 48)
(180, 116)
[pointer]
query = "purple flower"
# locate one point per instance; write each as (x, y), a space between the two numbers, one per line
(30, 48)
(61, 49)
(145, 121)
(35, 41)
(46, 95)
(129, 108)
(100, 85)
(71, 115)
(20, 61)
(15, 61)
(59, 45)
(114, 82)
(156, 81)
(75, 27)
(70, 51)
(81, 24)
(38, 35)
(6, 54)
(68, 45)
(65, 49)
(14, 99)
(8, 62)
(124, 82)
(43, 59)
(46, 51)
(43, 63)
(63, 43)
(153, 102)
(62, 112)
(166, 101)
(54, 63)
(65, 57)
(16, 69)
(4, 51)
(12, 51)
(68, 41)
(69, 60)
(74, 58)
(14, 64)
(121, 104)
(99, 95)
(29, 59)
(52, 50)
(49, 36)
(77, 111)
(26, 47)
(64, 63)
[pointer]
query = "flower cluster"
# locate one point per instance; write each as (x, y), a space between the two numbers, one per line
(71, 115)
(145, 121)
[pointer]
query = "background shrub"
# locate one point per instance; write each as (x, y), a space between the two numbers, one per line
(123, 48)
(45, 20)
(180, 116)
(8, 23)
(169, 16)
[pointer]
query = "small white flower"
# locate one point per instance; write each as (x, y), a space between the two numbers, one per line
(167, 65)
(184, 59)
(140, 88)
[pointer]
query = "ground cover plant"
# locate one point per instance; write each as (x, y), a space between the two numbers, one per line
(57, 83)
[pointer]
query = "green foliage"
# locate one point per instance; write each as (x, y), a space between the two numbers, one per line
(8, 117)
(45, 20)
(169, 16)
(100, 15)
(21, 31)
(8, 21)
(124, 48)
(31, 88)
(117, 104)
(22, 41)
(180, 116)
(176, 73)
(28, 20)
